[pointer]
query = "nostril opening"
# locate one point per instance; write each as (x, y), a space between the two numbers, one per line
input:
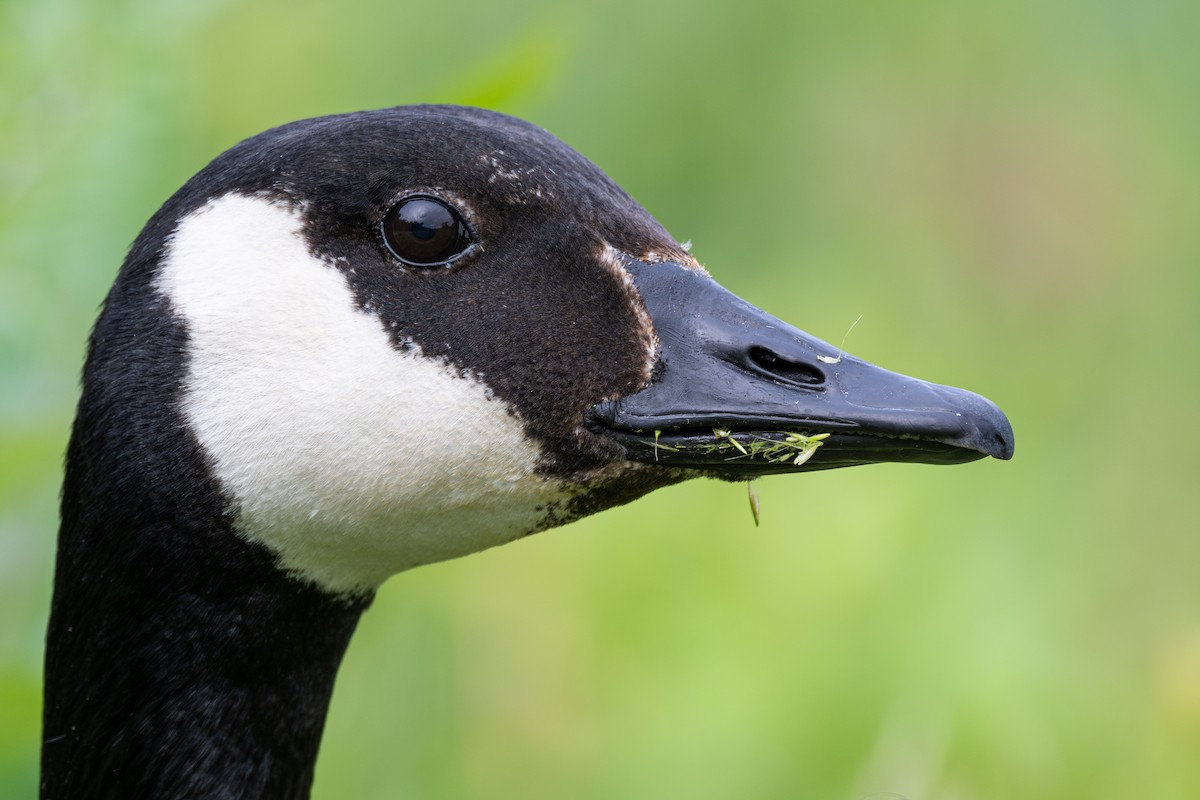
(784, 369)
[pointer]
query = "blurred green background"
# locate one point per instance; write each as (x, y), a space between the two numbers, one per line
(1006, 191)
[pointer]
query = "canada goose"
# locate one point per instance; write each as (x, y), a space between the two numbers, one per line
(357, 344)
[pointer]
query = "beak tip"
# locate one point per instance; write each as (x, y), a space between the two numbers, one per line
(993, 432)
(1003, 448)
(984, 428)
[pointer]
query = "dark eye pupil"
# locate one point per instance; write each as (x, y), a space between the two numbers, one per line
(424, 232)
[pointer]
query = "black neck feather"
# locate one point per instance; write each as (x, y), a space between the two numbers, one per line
(204, 679)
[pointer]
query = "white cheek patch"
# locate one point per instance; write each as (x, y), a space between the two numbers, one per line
(350, 460)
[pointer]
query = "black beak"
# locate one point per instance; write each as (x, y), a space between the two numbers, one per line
(740, 393)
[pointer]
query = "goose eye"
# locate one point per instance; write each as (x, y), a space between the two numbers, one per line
(424, 232)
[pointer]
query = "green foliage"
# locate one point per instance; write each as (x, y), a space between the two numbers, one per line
(1006, 191)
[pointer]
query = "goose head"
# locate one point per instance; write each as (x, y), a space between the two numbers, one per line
(358, 344)
(415, 333)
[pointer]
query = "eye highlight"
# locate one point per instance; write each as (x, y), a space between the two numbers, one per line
(425, 232)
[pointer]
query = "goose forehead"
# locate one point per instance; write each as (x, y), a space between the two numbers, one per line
(350, 458)
(505, 169)
(355, 154)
